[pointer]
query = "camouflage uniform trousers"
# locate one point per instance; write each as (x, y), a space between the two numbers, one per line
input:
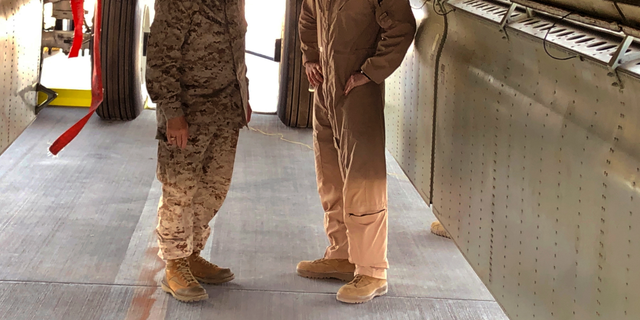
(195, 180)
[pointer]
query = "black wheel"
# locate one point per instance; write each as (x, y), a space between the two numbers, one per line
(125, 30)
(295, 106)
(59, 25)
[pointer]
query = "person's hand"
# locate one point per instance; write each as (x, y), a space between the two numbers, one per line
(178, 132)
(356, 80)
(314, 73)
(249, 112)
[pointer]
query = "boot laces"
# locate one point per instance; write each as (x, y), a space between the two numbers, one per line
(185, 271)
(320, 261)
(358, 280)
(197, 258)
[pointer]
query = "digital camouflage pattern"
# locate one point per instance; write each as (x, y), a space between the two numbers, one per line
(195, 48)
(196, 69)
(195, 181)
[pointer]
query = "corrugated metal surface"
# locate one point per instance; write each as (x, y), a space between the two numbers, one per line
(79, 243)
(20, 33)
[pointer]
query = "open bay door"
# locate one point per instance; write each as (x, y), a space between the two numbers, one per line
(125, 33)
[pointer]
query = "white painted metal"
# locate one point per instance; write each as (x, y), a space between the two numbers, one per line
(20, 34)
(623, 55)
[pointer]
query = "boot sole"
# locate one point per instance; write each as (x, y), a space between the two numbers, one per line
(218, 281)
(182, 298)
(358, 300)
(439, 233)
(336, 275)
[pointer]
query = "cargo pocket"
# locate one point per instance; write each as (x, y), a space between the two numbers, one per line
(365, 219)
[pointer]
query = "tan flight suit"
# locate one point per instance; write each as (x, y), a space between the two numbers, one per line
(196, 69)
(346, 37)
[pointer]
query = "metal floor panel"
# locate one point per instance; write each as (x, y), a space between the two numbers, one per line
(23, 301)
(79, 243)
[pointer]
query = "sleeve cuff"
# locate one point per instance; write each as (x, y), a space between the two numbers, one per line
(310, 56)
(365, 74)
(247, 87)
(171, 110)
(371, 73)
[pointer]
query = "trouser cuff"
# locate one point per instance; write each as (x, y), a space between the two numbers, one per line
(171, 251)
(336, 255)
(378, 273)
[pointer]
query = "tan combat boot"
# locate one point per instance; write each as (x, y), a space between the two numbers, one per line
(362, 289)
(207, 272)
(180, 283)
(340, 269)
(438, 230)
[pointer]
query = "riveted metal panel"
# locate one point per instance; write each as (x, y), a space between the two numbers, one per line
(537, 160)
(410, 99)
(537, 163)
(20, 34)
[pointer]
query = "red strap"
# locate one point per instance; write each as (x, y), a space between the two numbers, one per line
(77, 7)
(96, 83)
